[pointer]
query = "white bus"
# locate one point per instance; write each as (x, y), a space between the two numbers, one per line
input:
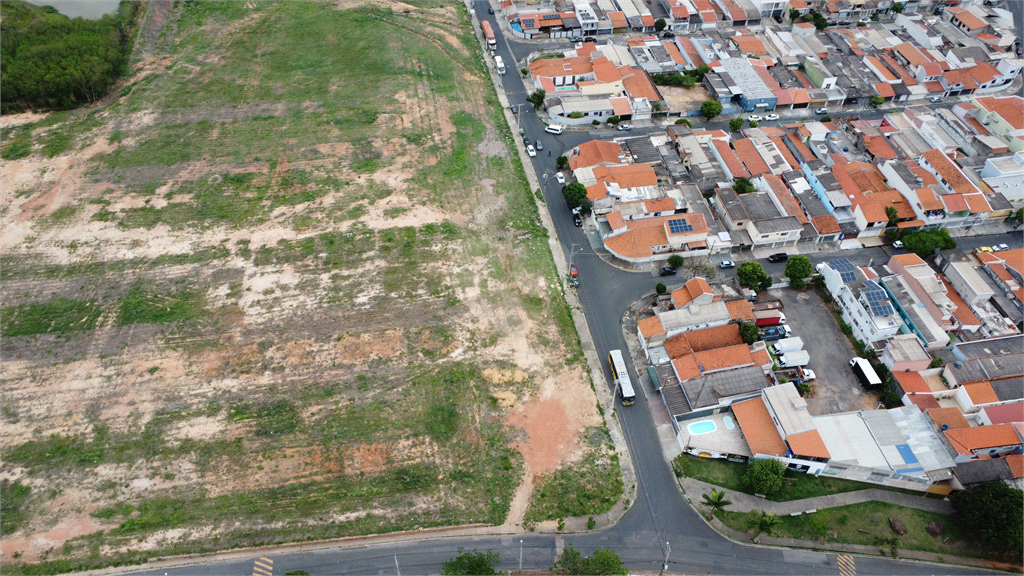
(499, 64)
(621, 376)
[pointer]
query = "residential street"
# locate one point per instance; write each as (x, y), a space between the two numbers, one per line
(660, 513)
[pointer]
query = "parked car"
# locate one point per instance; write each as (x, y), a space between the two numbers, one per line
(623, 127)
(538, 145)
(490, 10)
(727, 263)
(668, 35)
(576, 40)
(577, 220)
(1000, 247)
(754, 118)
(667, 271)
(527, 141)
(821, 111)
(590, 40)
(780, 257)
(935, 99)
(531, 151)
(772, 117)
(559, 178)
(984, 249)
(897, 244)
(554, 129)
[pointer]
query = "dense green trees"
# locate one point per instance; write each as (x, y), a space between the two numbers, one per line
(749, 333)
(992, 513)
(570, 561)
(752, 275)
(735, 124)
(710, 108)
(472, 564)
(798, 268)
(765, 476)
(50, 61)
(924, 242)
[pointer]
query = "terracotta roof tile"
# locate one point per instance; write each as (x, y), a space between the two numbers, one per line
(686, 368)
(967, 440)
(826, 224)
(970, 20)
(596, 152)
(761, 358)
(1016, 463)
(885, 90)
(912, 383)
(758, 428)
(628, 176)
(879, 148)
(638, 84)
(678, 346)
(618, 19)
(928, 200)
(731, 161)
(910, 52)
(977, 203)
(751, 158)
(801, 148)
(951, 417)
(651, 327)
(881, 68)
(934, 86)
(781, 146)
(949, 172)
(721, 358)
(553, 67)
(1010, 108)
(900, 70)
(808, 443)
(909, 259)
(785, 198)
(954, 202)
(981, 393)
(749, 44)
(962, 312)
(644, 233)
(740, 310)
(1005, 413)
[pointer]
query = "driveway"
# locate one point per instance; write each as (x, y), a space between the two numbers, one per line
(837, 388)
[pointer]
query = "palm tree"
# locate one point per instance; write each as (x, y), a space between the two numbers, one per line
(767, 522)
(714, 502)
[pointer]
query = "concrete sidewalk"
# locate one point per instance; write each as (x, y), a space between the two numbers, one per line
(745, 502)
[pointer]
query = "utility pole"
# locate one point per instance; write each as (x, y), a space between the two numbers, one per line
(397, 569)
(520, 556)
(668, 550)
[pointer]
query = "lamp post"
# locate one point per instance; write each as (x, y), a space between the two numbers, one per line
(520, 556)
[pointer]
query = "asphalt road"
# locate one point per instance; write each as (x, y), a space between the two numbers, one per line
(660, 514)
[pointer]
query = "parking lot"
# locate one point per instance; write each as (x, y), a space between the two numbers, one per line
(836, 388)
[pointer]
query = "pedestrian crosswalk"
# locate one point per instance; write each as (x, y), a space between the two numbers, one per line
(263, 567)
(846, 566)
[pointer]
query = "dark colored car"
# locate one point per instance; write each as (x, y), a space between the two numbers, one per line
(577, 220)
(576, 40)
(590, 40)
(780, 257)
(668, 35)
(667, 271)
(490, 10)
(526, 141)
(538, 145)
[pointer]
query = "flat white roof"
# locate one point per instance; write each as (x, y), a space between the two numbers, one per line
(849, 441)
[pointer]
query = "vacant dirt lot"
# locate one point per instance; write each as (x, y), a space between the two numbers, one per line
(290, 285)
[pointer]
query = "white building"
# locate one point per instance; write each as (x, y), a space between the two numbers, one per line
(864, 303)
(1006, 176)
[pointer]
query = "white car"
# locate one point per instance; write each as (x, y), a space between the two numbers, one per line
(754, 118)
(772, 117)
(897, 244)
(559, 178)
(531, 151)
(1000, 247)
(821, 111)
(623, 127)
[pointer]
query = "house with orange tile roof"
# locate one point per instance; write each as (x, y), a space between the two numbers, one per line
(655, 239)
(597, 152)
(965, 20)
(966, 444)
(1003, 117)
(949, 175)
(1001, 414)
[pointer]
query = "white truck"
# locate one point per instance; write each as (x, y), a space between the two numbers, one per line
(793, 359)
(499, 64)
(787, 345)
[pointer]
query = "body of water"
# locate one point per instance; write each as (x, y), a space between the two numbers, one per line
(88, 9)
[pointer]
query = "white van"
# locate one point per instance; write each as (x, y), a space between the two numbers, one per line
(554, 129)
(499, 64)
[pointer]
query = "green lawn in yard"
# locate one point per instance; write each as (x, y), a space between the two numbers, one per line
(796, 486)
(871, 517)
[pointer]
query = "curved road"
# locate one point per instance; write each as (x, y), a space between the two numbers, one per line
(660, 514)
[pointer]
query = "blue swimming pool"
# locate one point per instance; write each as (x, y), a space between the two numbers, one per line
(702, 427)
(728, 422)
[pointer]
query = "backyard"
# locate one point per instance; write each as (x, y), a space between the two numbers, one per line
(288, 284)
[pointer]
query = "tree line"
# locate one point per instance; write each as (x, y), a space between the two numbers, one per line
(52, 62)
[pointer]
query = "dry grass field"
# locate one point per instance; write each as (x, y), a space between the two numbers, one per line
(290, 283)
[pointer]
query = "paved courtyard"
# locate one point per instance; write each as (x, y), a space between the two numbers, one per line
(836, 388)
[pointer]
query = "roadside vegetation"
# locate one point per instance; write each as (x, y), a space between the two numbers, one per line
(302, 291)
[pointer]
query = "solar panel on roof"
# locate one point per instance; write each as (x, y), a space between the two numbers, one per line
(679, 226)
(881, 309)
(847, 276)
(550, 17)
(841, 265)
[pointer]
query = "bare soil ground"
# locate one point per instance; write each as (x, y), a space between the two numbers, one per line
(290, 285)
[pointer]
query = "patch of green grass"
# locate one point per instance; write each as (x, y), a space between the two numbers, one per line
(271, 419)
(56, 316)
(12, 505)
(17, 142)
(871, 517)
(591, 486)
(141, 306)
(57, 142)
(795, 485)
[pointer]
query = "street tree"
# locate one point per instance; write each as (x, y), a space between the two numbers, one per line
(992, 514)
(735, 124)
(471, 563)
(660, 24)
(676, 261)
(752, 275)
(575, 193)
(710, 108)
(764, 522)
(613, 120)
(798, 268)
(700, 267)
(820, 22)
(660, 288)
(898, 7)
(924, 242)
(876, 101)
(749, 332)
(716, 501)
(684, 121)
(562, 161)
(753, 123)
(537, 98)
(764, 475)
(1018, 216)
(570, 561)
(793, 14)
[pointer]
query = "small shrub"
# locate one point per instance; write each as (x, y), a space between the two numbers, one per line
(661, 288)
